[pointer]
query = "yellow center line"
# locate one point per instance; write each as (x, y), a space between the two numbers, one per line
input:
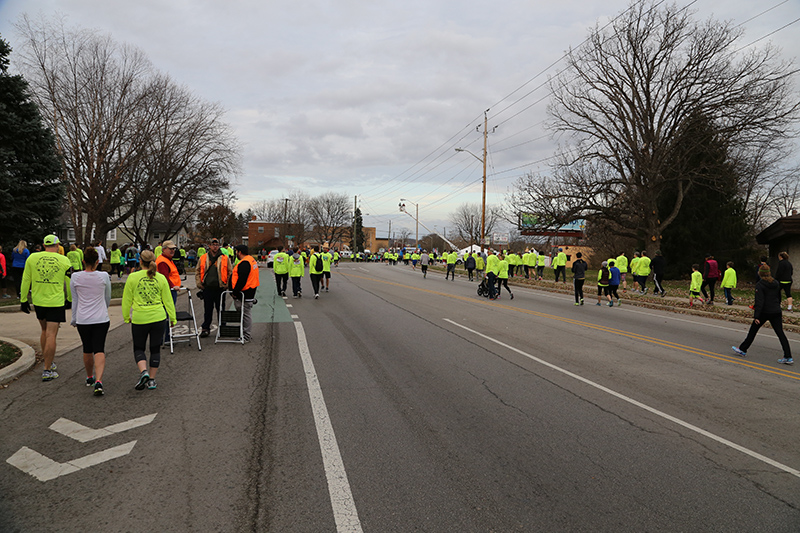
(605, 329)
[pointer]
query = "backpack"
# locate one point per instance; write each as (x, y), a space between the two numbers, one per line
(318, 266)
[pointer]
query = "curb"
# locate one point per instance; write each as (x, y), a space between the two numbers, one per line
(26, 361)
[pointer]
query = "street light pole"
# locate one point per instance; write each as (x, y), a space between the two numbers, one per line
(416, 206)
(286, 220)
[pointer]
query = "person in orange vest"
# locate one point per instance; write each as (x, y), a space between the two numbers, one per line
(244, 282)
(165, 265)
(212, 276)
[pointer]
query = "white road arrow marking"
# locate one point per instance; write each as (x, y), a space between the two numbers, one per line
(44, 469)
(82, 433)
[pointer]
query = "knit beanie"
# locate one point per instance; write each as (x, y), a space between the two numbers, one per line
(764, 271)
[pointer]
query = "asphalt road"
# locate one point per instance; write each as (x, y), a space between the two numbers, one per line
(396, 403)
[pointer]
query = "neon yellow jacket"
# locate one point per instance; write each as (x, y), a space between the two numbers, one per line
(146, 300)
(45, 275)
(633, 264)
(643, 266)
(697, 281)
(75, 258)
(621, 263)
(502, 269)
(729, 279)
(297, 266)
(280, 263)
(492, 264)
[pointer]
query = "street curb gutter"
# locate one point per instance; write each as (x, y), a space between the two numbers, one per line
(21, 365)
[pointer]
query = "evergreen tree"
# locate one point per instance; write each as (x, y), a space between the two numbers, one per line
(31, 191)
(358, 245)
(712, 218)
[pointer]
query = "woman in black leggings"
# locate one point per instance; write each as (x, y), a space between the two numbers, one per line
(767, 309)
(146, 304)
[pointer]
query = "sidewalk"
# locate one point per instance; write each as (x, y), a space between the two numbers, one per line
(18, 328)
(23, 330)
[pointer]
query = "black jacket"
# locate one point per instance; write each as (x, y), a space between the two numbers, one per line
(657, 265)
(579, 267)
(768, 299)
(784, 271)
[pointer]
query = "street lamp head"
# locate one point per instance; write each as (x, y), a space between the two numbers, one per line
(459, 149)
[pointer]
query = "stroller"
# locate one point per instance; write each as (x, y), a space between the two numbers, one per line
(483, 288)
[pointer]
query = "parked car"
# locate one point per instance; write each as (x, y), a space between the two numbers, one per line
(271, 257)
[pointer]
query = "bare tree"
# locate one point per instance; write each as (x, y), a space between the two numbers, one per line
(299, 216)
(187, 163)
(467, 221)
(403, 237)
(623, 107)
(269, 210)
(93, 93)
(293, 211)
(136, 148)
(331, 215)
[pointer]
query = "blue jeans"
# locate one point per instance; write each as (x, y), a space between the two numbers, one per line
(728, 295)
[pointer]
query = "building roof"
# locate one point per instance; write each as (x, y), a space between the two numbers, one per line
(783, 227)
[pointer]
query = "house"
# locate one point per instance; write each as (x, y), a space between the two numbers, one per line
(120, 236)
(783, 235)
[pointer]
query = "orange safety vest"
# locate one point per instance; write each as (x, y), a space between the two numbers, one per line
(174, 278)
(252, 279)
(222, 265)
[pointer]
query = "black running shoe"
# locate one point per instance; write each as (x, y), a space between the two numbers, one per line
(90, 381)
(98, 388)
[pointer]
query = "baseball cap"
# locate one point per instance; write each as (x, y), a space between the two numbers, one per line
(50, 240)
(214, 241)
(168, 244)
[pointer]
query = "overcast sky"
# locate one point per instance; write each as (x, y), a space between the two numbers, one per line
(370, 97)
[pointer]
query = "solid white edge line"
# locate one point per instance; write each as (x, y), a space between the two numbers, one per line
(344, 508)
(662, 414)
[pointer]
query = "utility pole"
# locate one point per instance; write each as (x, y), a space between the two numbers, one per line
(483, 161)
(471, 230)
(483, 202)
(285, 221)
(389, 236)
(354, 244)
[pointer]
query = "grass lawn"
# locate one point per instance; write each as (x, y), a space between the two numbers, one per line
(744, 294)
(8, 354)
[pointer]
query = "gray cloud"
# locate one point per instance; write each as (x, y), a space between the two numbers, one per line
(350, 95)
